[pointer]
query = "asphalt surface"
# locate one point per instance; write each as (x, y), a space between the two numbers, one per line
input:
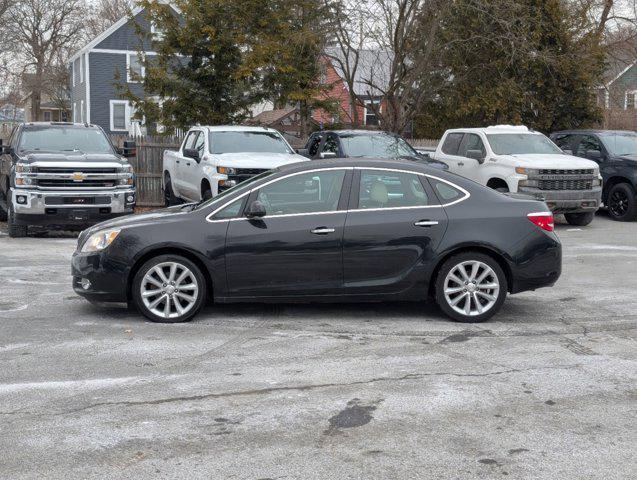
(546, 390)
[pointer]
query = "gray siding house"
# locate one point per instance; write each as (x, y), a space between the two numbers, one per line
(619, 91)
(101, 66)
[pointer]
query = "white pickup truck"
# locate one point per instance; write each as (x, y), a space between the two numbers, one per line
(515, 159)
(213, 159)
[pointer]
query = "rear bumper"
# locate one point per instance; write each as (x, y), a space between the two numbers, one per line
(567, 201)
(61, 208)
(539, 265)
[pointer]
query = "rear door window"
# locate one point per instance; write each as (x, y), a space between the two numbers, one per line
(447, 193)
(189, 142)
(452, 143)
(386, 189)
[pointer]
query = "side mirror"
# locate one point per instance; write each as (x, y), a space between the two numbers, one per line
(303, 151)
(594, 155)
(129, 149)
(327, 155)
(6, 149)
(192, 153)
(255, 210)
(476, 155)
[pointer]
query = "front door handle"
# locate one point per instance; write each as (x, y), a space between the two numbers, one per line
(322, 231)
(425, 223)
(187, 164)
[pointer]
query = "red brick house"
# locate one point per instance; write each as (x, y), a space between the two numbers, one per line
(372, 65)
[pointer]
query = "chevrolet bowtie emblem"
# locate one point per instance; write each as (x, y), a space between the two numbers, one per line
(78, 176)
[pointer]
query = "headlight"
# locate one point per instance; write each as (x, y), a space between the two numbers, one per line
(22, 168)
(127, 168)
(526, 171)
(100, 240)
(129, 179)
(226, 170)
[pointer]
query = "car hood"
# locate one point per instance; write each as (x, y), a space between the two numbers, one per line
(552, 161)
(133, 220)
(256, 159)
(629, 158)
(72, 159)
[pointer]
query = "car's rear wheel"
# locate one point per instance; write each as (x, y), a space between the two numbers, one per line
(622, 203)
(471, 287)
(15, 231)
(579, 219)
(3, 207)
(169, 289)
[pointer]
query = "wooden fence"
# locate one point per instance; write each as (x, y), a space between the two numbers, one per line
(148, 163)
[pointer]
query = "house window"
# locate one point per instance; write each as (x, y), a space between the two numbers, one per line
(120, 115)
(370, 115)
(630, 100)
(134, 68)
(47, 116)
(81, 69)
(156, 32)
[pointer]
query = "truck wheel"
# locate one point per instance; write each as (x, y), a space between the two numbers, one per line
(15, 231)
(3, 211)
(169, 195)
(471, 287)
(169, 289)
(579, 219)
(207, 194)
(621, 203)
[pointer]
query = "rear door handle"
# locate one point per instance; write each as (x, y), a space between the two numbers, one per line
(322, 231)
(176, 161)
(461, 164)
(425, 223)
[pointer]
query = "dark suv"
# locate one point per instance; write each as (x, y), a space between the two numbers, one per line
(363, 144)
(616, 153)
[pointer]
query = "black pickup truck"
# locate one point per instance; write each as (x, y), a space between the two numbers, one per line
(63, 175)
(616, 153)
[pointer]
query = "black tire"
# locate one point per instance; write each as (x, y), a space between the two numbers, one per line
(197, 278)
(4, 214)
(502, 189)
(15, 231)
(207, 194)
(169, 195)
(453, 262)
(579, 219)
(621, 203)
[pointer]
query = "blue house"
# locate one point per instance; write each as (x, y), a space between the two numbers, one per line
(110, 60)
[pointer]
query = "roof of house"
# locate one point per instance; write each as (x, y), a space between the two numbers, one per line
(372, 73)
(268, 117)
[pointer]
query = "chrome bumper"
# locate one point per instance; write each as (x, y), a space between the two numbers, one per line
(36, 202)
(561, 201)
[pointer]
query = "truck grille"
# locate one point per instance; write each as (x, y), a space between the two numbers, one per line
(583, 171)
(565, 184)
(63, 177)
(242, 174)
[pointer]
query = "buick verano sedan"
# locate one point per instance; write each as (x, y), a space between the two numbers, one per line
(326, 231)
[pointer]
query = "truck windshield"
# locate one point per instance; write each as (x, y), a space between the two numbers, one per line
(621, 144)
(63, 139)
(240, 142)
(521, 143)
(357, 145)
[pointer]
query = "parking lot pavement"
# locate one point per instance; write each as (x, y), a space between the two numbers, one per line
(385, 391)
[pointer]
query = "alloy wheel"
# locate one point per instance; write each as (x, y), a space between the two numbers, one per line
(618, 203)
(169, 290)
(471, 288)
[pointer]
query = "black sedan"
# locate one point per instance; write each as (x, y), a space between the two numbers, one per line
(329, 230)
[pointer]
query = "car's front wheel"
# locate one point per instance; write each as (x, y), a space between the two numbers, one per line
(471, 287)
(15, 230)
(169, 289)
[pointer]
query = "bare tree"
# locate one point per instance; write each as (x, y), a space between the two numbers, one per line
(101, 14)
(43, 29)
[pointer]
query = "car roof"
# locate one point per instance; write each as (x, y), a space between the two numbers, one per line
(356, 132)
(594, 131)
(361, 162)
(59, 124)
(495, 129)
(235, 128)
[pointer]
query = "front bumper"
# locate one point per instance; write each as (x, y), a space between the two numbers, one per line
(567, 201)
(83, 207)
(98, 277)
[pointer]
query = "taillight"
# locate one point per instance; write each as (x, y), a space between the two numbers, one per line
(544, 220)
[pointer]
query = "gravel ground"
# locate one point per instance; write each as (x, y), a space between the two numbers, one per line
(547, 390)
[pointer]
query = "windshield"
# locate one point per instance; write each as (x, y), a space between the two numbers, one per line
(521, 143)
(245, 185)
(64, 139)
(621, 144)
(240, 142)
(381, 146)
